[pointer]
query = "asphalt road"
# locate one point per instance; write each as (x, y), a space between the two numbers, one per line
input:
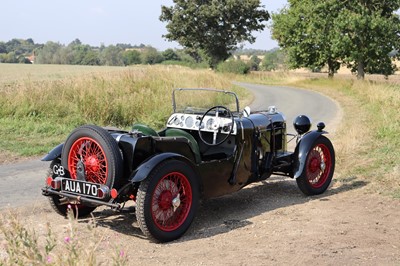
(293, 102)
(20, 183)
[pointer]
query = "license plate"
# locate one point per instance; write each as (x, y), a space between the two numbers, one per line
(80, 187)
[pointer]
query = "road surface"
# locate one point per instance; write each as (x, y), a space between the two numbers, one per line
(20, 183)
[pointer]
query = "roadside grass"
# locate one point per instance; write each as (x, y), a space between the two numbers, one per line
(367, 141)
(30, 136)
(76, 245)
(40, 106)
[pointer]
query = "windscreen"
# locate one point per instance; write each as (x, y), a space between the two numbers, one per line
(198, 101)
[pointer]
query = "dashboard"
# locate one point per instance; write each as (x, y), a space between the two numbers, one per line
(209, 124)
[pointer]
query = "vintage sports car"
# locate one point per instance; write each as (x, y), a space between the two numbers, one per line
(208, 148)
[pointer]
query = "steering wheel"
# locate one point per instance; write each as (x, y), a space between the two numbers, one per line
(215, 125)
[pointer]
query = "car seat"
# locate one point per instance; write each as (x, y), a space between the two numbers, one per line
(175, 132)
(145, 130)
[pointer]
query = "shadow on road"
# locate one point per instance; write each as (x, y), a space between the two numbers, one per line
(227, 213)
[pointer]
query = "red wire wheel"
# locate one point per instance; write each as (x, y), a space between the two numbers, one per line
(319, 164)
(319, 167)
(91, 154)
(93, 151)
(167, 201)
(171, 201)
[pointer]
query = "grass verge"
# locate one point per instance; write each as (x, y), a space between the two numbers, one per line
(42, 246)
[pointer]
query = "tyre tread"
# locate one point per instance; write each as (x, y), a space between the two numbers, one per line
(144, 196)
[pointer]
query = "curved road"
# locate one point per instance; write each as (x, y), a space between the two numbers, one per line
(293, 102)
(20, 183)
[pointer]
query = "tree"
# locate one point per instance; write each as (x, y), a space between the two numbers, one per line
(273, 60)
(304, 30)
(91, 57)
(170, 54)
(132, 57)
(366, 33)
(214, 27)
(80, 54)
(49, 53)
(359, 33)
(233, 66)
(254, 63)
(3, 48)
(151, 56)
(75, 42)
(112, 56)
(30, 41)
(10, 57)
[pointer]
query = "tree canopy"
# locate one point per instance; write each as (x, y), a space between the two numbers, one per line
(360, 34)
(77, 53)
(213, 27)
(304, 31)
(366, 33)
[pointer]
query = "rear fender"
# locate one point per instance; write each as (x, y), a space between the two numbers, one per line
(302, 150)
(146, 167)
(54, 153)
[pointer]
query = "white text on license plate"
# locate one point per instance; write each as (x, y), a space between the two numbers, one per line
(78, 187)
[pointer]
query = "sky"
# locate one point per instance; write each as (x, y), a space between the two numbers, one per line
(97, 22)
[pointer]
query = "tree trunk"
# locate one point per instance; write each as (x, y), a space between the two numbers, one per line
(360, 69)
(333, 66)
(331, 72)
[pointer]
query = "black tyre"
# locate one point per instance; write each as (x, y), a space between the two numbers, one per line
(98, 152)
(319, 168)
(167, 201)
(60, 204)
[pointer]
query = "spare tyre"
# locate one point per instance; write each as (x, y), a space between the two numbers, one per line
(92, 154)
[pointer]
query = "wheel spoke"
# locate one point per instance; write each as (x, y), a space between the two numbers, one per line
(318, 165)
(173, 186)
(92, 155)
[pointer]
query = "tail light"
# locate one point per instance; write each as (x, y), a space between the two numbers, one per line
(114, 193)
(54, 183)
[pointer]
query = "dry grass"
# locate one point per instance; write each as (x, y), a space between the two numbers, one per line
(76, 245)
(42, 104)
(116, 98)
(15, 73)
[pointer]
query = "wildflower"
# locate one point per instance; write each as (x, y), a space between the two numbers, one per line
(67, 239)
(49, 260)
(121, 253)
